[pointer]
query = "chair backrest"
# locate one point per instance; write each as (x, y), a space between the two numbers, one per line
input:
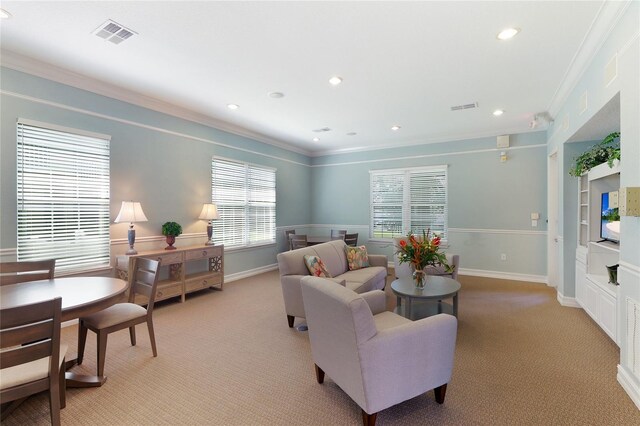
(298, 241)
(145, 281)
(339, 321)
(338, 234)
(351, 239)
(28, 333)
(20, 272)
(287, 236)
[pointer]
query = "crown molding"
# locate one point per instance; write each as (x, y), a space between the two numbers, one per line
(605, 21)
(48, 71)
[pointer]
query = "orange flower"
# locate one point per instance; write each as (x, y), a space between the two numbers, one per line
(403, 243)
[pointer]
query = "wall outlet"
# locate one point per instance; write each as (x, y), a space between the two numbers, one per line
(503, 256)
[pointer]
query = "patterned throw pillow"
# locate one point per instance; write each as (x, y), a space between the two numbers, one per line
(357, 257)
(316, 266)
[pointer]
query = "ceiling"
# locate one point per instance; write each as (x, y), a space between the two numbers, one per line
(402, 63)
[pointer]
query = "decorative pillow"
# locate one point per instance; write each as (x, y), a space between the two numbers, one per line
(316, 266)
(357, 257)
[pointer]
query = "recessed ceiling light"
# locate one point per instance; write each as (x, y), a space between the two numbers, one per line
(507, 33)
(351, 134)
(276, 95)
(233, 106)
(335, 80)
(498, 112)
(4, 14)
(316, 139)
(395, 128)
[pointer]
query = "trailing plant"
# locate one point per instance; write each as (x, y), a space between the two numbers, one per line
(171, 229)
(606, 151)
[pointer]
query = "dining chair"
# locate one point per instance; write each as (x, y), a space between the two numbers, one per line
(31, 356)
(20, 272)
(351, 239)
(287, 236)
(298, 241)
(123, 315)
(338, 234)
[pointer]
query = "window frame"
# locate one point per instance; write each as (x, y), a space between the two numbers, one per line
(248, 206)
(405, 173)
(77, 232)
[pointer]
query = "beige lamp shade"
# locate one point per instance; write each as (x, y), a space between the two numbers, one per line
(209, 212)
(130, 211)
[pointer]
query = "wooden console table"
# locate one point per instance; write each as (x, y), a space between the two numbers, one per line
(183, 275)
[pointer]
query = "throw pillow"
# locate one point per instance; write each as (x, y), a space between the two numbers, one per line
(357, 257)
(316, 267)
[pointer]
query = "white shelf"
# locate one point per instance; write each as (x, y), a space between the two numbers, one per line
(605, 245)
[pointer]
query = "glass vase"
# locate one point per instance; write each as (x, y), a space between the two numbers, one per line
(419, 279)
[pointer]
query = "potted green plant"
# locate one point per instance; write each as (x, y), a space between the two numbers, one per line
(606, 151)
(171, 230)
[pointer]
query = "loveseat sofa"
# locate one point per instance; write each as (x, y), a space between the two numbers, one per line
(292, 269)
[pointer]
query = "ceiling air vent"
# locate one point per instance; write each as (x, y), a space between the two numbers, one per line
(466, 106)
(113, 32)
(324, 129)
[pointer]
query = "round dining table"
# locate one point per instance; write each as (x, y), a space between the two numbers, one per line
(80, 296)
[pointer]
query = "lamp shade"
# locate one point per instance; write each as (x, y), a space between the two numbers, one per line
(130, 211)
(209, 211)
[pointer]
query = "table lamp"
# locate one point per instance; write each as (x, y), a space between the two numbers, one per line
(131, 211)
(209, 212)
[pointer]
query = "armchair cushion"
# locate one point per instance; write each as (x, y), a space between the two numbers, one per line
(357, 257)
(316, 267)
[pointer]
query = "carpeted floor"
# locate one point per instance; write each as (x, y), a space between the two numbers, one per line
(229, 358)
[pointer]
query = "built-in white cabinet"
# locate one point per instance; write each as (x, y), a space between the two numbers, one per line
(594, 293)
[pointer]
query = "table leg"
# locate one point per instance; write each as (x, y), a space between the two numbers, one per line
(439, 306)
(75, 380)
(455, 305)
(408, 308)
(398, 302)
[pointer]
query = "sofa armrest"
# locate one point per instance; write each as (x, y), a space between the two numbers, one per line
(376, 300)
(378, 260)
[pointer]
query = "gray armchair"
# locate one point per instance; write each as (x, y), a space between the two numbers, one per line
(403, 269)
(378, 358)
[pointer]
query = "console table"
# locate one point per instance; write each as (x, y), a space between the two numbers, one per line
(184, 275)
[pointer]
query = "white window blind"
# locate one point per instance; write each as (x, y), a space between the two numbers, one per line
(404, 200)
(63, 196)
(245, 195)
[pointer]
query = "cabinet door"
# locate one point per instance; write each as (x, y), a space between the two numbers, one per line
(607, 314)
(591, 299)
(581, 278)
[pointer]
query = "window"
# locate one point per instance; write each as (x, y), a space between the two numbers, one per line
(245, 195)
(404, 200)
(63, 196)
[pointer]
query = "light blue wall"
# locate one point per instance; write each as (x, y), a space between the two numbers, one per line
(162, 161)
(490, 202)
(623, 44)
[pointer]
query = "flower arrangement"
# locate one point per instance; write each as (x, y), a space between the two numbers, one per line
(421, 252)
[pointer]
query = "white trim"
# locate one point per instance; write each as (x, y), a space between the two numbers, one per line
(8, 251)
(402, 170)
(51, 72)
(628, 44)
(503, 275)
(629, 267)
(250, 273)
(496, 231)
(144, 126)
(629, 385)
(568, 302)
(411, 157)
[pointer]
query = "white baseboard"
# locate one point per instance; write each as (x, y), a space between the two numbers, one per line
(629, 385)
(569, 302)
(503, 275)
(249, 273)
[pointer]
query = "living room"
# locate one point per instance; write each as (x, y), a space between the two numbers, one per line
(161, 156)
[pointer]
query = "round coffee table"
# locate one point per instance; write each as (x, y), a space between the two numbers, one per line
(436, 289)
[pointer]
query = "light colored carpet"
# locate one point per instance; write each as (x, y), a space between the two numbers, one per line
(229, 358)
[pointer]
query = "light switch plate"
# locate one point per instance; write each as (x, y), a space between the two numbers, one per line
(535, 216)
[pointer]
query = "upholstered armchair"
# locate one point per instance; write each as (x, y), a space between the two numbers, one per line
(403, 269)
(378, 358)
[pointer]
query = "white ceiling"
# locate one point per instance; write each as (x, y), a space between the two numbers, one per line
(403, 63)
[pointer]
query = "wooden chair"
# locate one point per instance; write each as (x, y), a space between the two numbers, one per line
(123, 315)
(20, 272)
(338, 234)
(32, 359)
(298, 241)
(351, 239)
(287, 237)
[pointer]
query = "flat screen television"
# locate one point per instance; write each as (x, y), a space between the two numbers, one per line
(609, 220)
